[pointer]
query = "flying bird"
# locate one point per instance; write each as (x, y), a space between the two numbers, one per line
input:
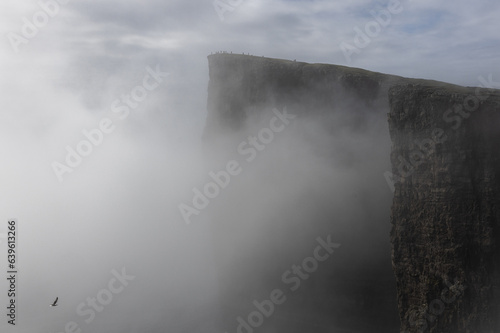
(55, 302)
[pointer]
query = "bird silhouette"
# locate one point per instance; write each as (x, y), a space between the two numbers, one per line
(55, 302)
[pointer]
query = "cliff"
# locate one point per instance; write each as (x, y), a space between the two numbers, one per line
(239, 83)
(324, 175)
(445, 213)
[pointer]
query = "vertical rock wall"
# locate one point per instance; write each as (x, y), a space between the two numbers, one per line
(446, 208)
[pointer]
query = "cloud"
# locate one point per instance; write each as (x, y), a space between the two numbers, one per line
(119, 208)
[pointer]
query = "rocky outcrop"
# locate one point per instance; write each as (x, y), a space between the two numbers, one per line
(446, 209)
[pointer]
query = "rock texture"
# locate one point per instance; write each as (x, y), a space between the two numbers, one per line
(446, 209)
(445, 206)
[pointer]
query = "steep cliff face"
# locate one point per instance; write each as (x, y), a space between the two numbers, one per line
(323, 175)
(446, 209)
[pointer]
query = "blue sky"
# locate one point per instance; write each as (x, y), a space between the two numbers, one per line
(66, 77)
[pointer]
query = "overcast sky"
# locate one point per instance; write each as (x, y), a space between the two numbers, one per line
(118, 206)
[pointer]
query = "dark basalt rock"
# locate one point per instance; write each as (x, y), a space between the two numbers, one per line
(445, 213)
